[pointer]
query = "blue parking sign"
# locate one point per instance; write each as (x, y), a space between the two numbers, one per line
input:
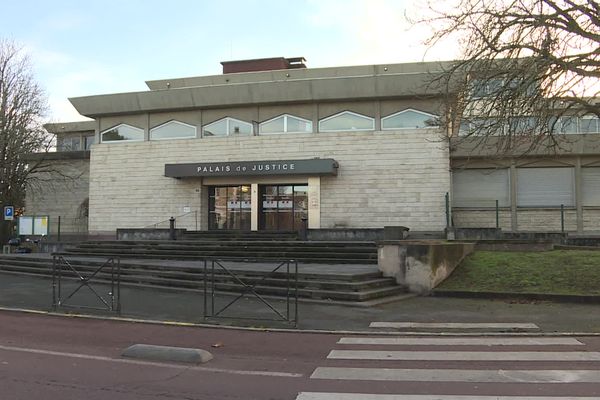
(9, 213)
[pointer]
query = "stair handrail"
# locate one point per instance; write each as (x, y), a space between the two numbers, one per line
(155, 225)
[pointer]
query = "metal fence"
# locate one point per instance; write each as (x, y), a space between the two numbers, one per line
(68, 280)
(249, 287)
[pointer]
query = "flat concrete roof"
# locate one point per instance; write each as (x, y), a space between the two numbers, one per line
(70, 127)
(270, 87)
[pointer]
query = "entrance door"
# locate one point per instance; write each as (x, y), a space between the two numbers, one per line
(230, 207)
(283, 207)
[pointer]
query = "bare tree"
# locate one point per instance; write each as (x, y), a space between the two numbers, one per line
(22, 107)
(528, 69)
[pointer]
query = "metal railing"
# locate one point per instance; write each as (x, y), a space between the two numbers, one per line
(165, 224)
(63, 269)
(243, 289)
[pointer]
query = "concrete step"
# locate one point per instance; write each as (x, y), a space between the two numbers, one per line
(330, 259)
(359, 287)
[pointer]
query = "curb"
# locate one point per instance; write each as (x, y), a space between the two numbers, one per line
(570, 298)
(167, 353)
(307, 331)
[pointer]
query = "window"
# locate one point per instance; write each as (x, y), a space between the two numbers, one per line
(567, 125)
(173, 130)
(590, 185)
(122, 132)
(545, 187)
(486, 87)
(589, 124)
(347, 121)
(481, 127)
(89, 141)
(285, 124)
(227, 126)
(523, 125)
(69, 144)
(409, 119)
(480, 188)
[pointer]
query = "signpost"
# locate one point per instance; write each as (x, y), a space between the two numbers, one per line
(9, 213)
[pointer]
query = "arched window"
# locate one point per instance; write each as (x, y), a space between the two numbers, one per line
(122, 132)
(346, 121)
(173, 130)
(409, 119)
(285, 124)
(227, 126)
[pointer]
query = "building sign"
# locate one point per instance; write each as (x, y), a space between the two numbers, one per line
(9, 213)
(315, 166)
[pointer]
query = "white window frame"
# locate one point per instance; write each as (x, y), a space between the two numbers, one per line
(347, 130)
(70, 141)
(228, 120)
(589, 116)
(122, 141)
(285, 125)
(174, 121)
(405, 111)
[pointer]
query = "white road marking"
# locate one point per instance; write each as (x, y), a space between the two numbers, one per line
(366, 396)
(149, 363)
(465, 355)
(458, 375)
(492, 341)
(454, 325)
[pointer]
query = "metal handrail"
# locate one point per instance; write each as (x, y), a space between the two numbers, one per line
(155, 225)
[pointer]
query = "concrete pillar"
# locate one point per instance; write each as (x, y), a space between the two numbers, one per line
(377, 115)
(314, 202)
(514, 224)
(315, 117)
(146, 127)
(203, 211)
(579, 195)
(254, 204)
(97, 131)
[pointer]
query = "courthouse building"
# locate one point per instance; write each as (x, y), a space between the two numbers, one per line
(272, 145)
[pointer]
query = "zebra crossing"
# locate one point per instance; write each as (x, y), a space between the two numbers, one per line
(501, 362)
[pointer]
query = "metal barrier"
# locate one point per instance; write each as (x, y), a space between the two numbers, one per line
(63, 269)
(291, 279)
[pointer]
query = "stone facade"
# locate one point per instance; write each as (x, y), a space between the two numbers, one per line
(61, 193)
(384, 177)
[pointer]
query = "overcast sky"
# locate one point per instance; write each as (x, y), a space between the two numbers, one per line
(91, 47)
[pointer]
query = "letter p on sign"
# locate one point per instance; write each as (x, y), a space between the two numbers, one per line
(9, 213)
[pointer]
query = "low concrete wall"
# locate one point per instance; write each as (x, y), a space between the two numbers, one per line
(345, 234)
(420, 265)
(514, 245)
(473, 233)
(146, 234)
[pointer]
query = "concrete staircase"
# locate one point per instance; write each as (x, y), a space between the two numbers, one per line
(241, 249)
(357, 285)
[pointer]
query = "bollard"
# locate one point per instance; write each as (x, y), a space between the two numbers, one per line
(172, 228)
(447, 210)
(304, 231)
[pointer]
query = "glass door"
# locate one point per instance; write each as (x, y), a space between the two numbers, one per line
(283, 207)
(230, 207)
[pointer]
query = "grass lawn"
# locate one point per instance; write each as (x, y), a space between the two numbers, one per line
(574, 272)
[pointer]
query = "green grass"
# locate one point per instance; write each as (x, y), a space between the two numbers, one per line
(572, 272)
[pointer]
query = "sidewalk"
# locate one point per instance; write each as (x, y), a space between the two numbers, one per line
(26, 292)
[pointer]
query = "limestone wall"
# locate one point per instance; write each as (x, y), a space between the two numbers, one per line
(384, 177)
(62, 192)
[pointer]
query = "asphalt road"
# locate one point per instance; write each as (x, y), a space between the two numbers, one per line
(49, 357)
